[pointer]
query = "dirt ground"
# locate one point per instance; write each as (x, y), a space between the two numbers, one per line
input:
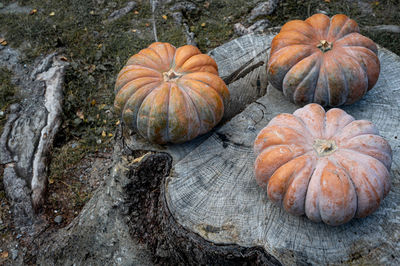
(97, 41)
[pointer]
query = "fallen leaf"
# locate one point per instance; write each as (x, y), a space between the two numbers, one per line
(117, 123)
(91, 68)
(203, 24)
(51, 181)
(63, 58)
(4, 255)
(79, 114)
(77, 121)
(135, 12)
(164, 17)
(110, 134)
(134, 30)
(100, 45)
(3, 42)
(136, 160)
(93, 102)
(33, 12)
(103, 134)
(52, 14)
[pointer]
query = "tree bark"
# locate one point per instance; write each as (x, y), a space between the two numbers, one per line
(29, 133)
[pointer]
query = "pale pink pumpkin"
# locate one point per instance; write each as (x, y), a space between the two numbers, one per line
(327, 166)
(323, 60)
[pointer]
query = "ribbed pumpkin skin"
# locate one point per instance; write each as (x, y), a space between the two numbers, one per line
(327, 166)
(337, 76)
(170, 95)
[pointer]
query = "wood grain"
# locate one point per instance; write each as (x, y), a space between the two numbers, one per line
(212, 190)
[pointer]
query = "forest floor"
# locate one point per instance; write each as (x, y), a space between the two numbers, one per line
(97, 41)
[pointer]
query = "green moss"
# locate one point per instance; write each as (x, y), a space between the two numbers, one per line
(168, 31)
(66, 157)
(7, 90)
(7, 94)
(70, 168)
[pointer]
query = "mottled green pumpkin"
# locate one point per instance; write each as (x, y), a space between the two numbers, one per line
(322, 60)
(170, 95)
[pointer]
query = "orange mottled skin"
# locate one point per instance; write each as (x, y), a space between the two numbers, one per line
(323, 60)
(170, 95)
(327, 166)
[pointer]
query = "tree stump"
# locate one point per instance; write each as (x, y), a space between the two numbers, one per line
(212, 192)
(198, 202)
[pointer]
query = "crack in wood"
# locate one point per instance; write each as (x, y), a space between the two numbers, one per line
(242, 71)
(225, 140)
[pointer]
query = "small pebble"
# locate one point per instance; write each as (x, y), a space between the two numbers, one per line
(15, 107)
(263, 9)
(322, 12)
(74, 145)
(14, 254)
(58, 219)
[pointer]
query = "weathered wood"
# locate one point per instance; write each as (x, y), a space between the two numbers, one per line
(383, 28)
(29, 132)
(212, 190)
(100, 235)
(127, 222)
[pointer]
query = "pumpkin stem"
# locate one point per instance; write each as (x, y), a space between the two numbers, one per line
(171, 75)
(324, 147)
(324, 45)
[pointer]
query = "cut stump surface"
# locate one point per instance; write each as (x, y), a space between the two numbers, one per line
(212, 189)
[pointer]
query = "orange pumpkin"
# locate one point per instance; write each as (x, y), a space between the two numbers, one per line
(322, 60)
(325, 165)
(170, 95)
